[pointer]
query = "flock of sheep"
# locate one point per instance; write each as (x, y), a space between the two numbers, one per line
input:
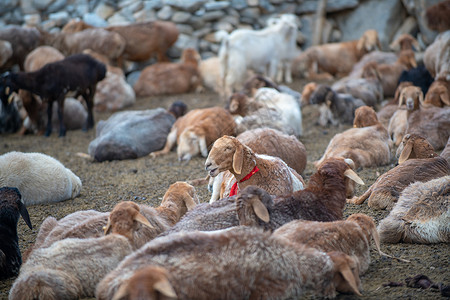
(266, 232)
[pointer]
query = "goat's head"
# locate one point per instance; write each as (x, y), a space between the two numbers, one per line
(407, 58)
(227, 153)
(412, 97)
(370, 71)
(346, 273)
(308, 90)
(369, 41)
(11, 206)
(257, 82)
(405, 42)
(337, 167)
(252, 204)
(365, 116)
(192, 142)
(180, 196)
(190, 56)
(399, 89)
(7, 88)
(323, 94)
(178, 109)
(438, 94)
(150, 283)
(237, 104)
(414, 146)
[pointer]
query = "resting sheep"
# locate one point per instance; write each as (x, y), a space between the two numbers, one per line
(385, 113)
(366, 146)
(368, 90)
(438, 94)
(71, 268)
(78, 73)
(195, 132)
(248, 168)
(421, 214)
(171, 78)
(11, 208)
(417, 162)
(437, 57)
(240, 263)
(40, 178)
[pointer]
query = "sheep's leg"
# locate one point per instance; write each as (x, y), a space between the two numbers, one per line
(48, 131)
(89, 98)
(360, 200)
(62, 127)
(287, 71)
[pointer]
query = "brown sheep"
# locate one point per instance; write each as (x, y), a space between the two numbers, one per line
(437, 16)
(417, 162)
(438, 94)
(308, 90)
(387, 110)
(171, 78)
(405, 42)
(23, 41)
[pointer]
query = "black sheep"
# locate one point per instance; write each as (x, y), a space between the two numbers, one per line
(10, 208)
(76, 74)
(418, 76)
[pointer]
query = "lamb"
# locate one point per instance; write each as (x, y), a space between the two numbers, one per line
(248, 168)
(340, 108)
(351, 236)
(366, 146)
(78, 73)
(196, 131)
(171, 78)
(263, 141)
(421, 214)
(40, 178)
(328, 58)
(289, 271)
(71, 268)
(322, 200)
(11, 208)
(417, 162)
(438, 94)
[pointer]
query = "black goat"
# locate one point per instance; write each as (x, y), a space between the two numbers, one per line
(76, 74)
(10, 208)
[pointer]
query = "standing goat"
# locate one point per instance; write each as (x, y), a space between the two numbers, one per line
(77, 73)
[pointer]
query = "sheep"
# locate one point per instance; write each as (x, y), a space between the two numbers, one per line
(259, 50)
(40, 178)
(405, 42)
(366, 146)
(196, 131)
(23, 41)
(437, 57)
(248, 168)
(210, 73)
(421, 214)
(307, 92)
(171, 78)
(263, 141)
(10, 117)
(341, 107)
(77, 73)
(436, 16)
(387, 110)
(368, 90)
(240, 263)
(6, 51)
(417, 162)
(11, 208)
(322, 200)
(336, 59)
(71, 268)
(438, 94)
(351, 236)
(389, 74)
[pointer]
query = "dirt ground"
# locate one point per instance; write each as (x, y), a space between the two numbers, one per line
(145, 180)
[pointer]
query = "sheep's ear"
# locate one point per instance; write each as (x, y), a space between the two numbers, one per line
(164, 287)
(361, 43)
(405, 153)
(420, 97)
(202, 145)
(345, 271)
(190, 202)
(260, 209)
(445, 98)
(238, 159)
(107, 228)
(143, 220)
(122, 292)
(401, 99)
(234, 105)
(353, 176)
(24, 213)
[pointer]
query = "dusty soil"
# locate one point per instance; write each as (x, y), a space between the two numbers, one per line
(145, 180)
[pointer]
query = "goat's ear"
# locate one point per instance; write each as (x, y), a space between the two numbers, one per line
(191, 201)
(328, 98)
(122, 292)
(412, 61)
(353, 176)
(420, 95)
(234, 105)
(202, 145)
(260, 209)
(164, 287)
(143, 220)
(405, 153)
(24, 213)
(401, 99)
(345, 271)
(445, 98)
(107, 228)
(238, 158)
(361, 43)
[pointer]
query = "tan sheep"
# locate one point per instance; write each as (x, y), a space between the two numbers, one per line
(437, 57)
(248, 168)
(195, 132)
(385, 113)
(417, 162)
(438, 94)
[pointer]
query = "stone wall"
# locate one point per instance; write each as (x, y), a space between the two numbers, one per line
(198, 20)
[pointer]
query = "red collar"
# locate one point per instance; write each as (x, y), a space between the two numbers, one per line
(234, 188)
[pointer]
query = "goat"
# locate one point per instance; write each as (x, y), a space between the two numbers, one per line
(196, 131)
(405, 42)
(248, 168)
(366, 146)
(421, 214)
(11, 208)
(171, 78)
(40, 178)
(417, 162)
(322, 200)
(438, 94)
(77, 73)
(289, 270)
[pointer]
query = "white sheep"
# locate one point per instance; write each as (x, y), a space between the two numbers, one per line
(40, 178)
(71, 268)
(421, 215)
(238, 263)
(248, 168)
